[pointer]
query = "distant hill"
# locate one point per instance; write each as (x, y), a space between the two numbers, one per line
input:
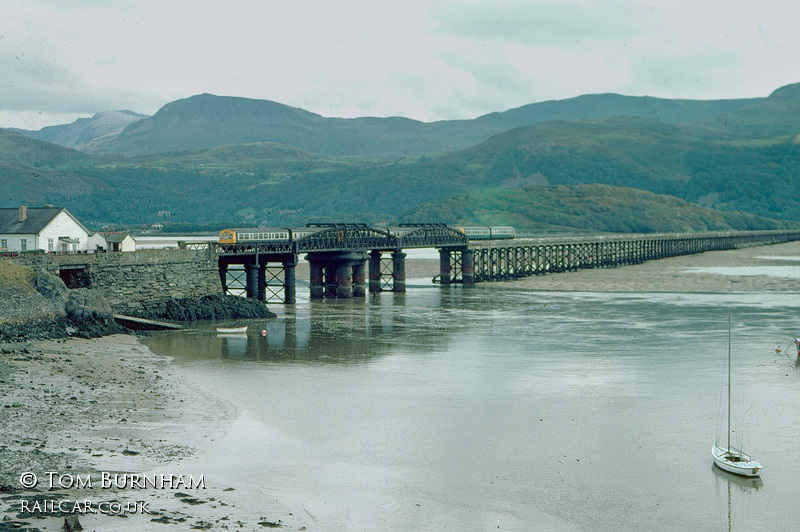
(207, 120)
(85, 131)
(586, 209)
(595, 106)
(18, 149)
(773, 116)
(33, 172)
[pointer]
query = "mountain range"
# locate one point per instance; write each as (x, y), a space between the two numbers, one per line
(222, 160)
(206, 120)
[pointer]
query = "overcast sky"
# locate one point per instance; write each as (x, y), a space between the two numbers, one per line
(429, 60)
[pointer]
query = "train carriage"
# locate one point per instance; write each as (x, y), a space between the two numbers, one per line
(488, 233)
(252, 234)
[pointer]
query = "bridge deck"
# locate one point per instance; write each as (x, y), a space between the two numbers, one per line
(338, 255)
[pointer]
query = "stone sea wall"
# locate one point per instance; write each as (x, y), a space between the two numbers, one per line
(134, 282)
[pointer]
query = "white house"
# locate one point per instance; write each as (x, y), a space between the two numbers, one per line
(111, 242)
(46, 228)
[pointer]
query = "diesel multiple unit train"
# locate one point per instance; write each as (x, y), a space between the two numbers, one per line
(234, 236)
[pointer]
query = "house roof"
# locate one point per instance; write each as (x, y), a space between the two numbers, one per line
(38, 218)
(115, 237)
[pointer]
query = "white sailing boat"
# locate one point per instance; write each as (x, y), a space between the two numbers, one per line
(729, 458)
(232, 330)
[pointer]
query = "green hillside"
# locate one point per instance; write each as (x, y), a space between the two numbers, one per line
(588, 209)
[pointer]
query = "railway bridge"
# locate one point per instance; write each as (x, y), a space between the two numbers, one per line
(340, 255)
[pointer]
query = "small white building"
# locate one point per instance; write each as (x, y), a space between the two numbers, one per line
(111, 242)
(51, 229)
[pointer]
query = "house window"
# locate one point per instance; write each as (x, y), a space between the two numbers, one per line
(50, 245)
(3, 243)
(23, 246)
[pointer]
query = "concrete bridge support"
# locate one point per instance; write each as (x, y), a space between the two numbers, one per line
(290, 281)
(468, 267)
(444, 266)
(317, 287)
(375, 271)
(344, 280)
(251, 281)
(337, 275)
(359, 279)
(399, 271)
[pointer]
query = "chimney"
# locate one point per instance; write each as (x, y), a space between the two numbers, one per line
(23, 213)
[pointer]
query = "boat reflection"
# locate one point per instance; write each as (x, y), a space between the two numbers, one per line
(744, 483)
(233, 345)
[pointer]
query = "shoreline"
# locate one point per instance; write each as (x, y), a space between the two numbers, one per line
(100, 411)
(109, 404)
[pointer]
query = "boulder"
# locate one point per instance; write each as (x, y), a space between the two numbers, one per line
(90, 313)
(51, 286)
(83, 303)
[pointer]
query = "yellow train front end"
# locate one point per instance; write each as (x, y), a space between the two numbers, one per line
(227, 236)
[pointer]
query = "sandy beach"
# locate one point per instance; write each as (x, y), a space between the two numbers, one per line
(86, 407)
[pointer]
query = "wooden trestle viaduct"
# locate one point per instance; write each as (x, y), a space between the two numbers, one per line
(339, 254)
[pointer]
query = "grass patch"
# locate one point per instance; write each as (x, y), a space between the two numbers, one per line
(13, 275)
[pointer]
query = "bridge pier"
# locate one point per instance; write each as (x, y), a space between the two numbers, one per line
(375, 271)
(317, 287)
(344, 280)
(289, 280)
(467, 267)
(359, 279)
(339, 275)
(252, 290)
(223, 276)
(444, 266)
(398, 271)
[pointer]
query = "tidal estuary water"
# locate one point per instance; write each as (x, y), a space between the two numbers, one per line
(504, 408)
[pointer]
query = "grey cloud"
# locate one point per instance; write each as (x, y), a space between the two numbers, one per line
(543, 23)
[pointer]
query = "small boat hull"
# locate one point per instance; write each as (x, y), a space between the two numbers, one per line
(736, 462)
(231, 330)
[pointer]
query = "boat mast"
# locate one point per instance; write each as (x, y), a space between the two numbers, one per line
(729, 382)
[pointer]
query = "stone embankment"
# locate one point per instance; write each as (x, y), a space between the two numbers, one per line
(45, 308)
(134, 281)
